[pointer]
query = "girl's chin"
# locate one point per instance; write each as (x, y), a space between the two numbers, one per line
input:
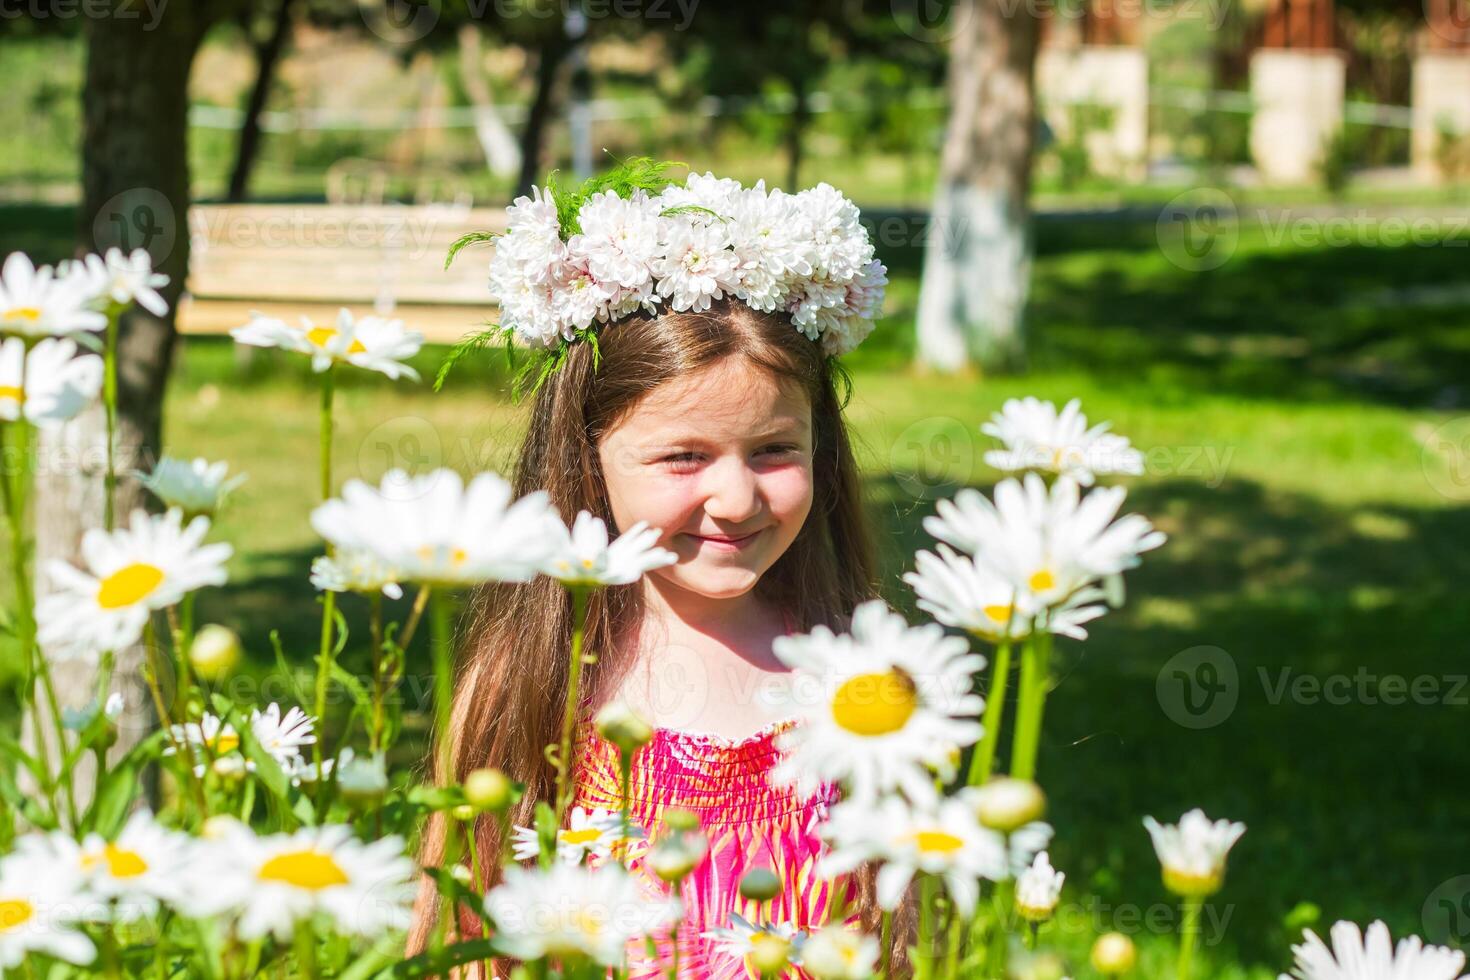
(715, 583)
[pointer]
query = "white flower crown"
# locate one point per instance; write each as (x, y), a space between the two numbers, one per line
(803, 254)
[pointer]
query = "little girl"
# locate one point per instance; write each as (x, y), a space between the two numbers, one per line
(722, 427)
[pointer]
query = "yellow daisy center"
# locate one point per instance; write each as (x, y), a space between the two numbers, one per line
(224, 742)
(875, 704)
(998, 613)
(129, 585)
(121, 863)
(1042, 581)
(14, 912)
(456, 556)
(31, 313)
(584, 836)
(937, 842)
(769, 946)
(321, 336)
(309, 870)
(12, 393)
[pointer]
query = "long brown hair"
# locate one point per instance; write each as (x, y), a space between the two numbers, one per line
(512, 689)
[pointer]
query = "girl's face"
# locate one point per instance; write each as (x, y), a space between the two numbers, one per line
(721, 461)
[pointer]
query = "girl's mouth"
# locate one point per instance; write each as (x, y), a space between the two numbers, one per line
(726, 542)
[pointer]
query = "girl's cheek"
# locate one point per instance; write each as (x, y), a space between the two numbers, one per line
(788, 491)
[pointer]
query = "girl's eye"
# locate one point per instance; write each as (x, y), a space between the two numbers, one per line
(779, 450)
(680, 459)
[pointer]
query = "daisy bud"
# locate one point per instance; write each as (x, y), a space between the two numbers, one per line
(462, 874)
(1006, 804)
(760, 884)
(463, 813)
(769, 953)
(488, 789)
(674, 855)
(620, 725)
(362, 781)
(1113, 954)
(220, 826)
(1043, 966)
(837, 953)
(681, 820)
(1038, 890)
(230, 768)
(1192, 852)
(215, 652)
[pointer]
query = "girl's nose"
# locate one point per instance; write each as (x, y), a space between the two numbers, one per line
(731, 491)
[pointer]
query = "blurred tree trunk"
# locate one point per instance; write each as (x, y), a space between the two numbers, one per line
(267, 54)
(977, 263)
(135, 194)
(502, 154)
(554, 50)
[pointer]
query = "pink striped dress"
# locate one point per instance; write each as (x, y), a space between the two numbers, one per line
(750, 822)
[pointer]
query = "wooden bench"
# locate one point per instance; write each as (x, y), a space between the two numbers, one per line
(290, 260)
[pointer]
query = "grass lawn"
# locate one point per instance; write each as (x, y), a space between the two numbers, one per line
(1286, 400)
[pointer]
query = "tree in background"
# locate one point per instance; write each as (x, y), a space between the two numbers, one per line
(977, 263)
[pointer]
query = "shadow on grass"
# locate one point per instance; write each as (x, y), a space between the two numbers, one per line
(1352, 801)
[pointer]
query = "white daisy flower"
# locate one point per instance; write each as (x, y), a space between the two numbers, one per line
(49, 385)
(196, 487)
(972, 596)
(773, 942)
(1354, 957)
(835, 952)
(879, 704)
(283, 736)
(272, 883)
(120, 278)
(569, 911)
(1038, 437)
(583, 556)
(434, 529)
(204, 740)
(37, 303)
(696, 266)
(128, 574)
(590, 832)
(1193, 851)
(1038, 889)
(372, 343)
(354, 571)
(40, 903)
(944, 839)
(1046, 541)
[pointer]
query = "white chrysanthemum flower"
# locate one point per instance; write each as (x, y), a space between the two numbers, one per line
(436, 530)
(1354, 957)
(570, 911)
(591, 832)
(944, 839)
(1049, 542)
(48, 385)
(38, 303)
(355, 571)
(272, 883)
(583, 556)
(972, 596)
(1038, 889)
(127, 878)
(283, 736)
(839, 240)
(882, 703)
(373, 343)
(120, 278)
(579, 298)
(772, 941)
(835, 952)
(619, 240)
(151, 564)
(1038, 437)
(195, 486)
(40, 903)
(696, 266)
(1193, 851)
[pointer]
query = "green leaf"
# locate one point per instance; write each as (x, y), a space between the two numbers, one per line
(286, 672)
(469, 345)
(120, 786)
(473, 238)
(431, 964)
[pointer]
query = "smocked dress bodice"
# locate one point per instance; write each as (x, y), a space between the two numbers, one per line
(750, 822)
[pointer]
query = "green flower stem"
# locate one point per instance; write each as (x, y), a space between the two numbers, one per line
(1002, 901)
(443, 651)
(1034, 658)
(924, 959)
(983, 761)
(625, 767)
(474, 849)
(569, 718)
(885, 944)
(109, 402)
(1188, 932)
(375, 626)
(329, 598)
(953, 941)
